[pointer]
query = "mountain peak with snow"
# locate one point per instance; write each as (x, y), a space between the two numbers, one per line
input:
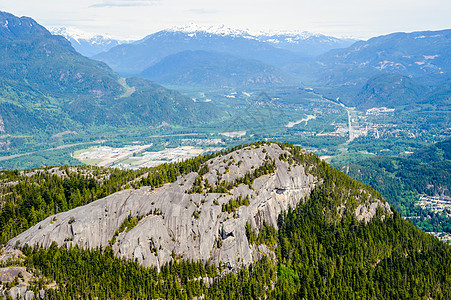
(87, 43)
(74, 33)
(223, 30)
(303, 42)
(217, 30)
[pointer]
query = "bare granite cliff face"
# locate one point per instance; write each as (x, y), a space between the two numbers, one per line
(174, 222)
(185, 218)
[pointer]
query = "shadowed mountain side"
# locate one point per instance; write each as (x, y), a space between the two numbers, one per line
(202, 68)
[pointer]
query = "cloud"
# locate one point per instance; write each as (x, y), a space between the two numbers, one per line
(125, 3)
(201, 11)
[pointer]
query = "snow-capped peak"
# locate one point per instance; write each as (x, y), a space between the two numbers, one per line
(77, 34)
(5, 25)
(293, 33)
(217, 30)
(222, 30)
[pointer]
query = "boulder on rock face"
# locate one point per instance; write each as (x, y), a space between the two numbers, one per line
(175, 221)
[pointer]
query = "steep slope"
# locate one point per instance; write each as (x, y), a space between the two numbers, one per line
(201, 216)
(45, 81)
(60, 188)
(31, 55)
(296, 228)
(389, 90)
(203, 68)
(149, 104)
(402, 181)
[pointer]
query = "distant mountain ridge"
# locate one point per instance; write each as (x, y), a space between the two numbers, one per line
(13, 27)
(32, 57)
(423, 55)
(390, 70)
(134, 58)
(87, 44)
(270, 48)
(203, 68)
(295, 35)
(304, 43)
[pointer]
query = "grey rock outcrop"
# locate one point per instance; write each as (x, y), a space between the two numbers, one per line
(367, 212)
(183, 219)
(181, 224)
(22, 289)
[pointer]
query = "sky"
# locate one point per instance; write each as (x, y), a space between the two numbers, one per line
(134, 19)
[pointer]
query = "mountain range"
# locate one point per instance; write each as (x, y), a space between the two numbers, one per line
(45, 81)
(270, 48)
(87, 44)
(423, 55)
(304, 43)
(259, 221)
(391, 70)
(132, 59)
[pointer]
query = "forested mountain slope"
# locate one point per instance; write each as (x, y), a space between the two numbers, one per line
(403, 180)
(204, 68)
(45, 81)
(310, 231)
(422, 55)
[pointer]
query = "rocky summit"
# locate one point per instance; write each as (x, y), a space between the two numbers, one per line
(202, 215)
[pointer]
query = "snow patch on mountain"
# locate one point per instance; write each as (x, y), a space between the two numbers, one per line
(79, 35)
(291, 36)
(87, 43)
(430, 56)
(74, 33)
(222, 30)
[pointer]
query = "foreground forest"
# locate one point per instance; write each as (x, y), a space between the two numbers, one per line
(403, 179)
(315, 260)
(318, 253)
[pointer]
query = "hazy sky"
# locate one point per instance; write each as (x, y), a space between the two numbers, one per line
(132, 19)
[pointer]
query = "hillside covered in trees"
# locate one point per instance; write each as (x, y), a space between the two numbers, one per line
(403, 179)
(319, 249)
